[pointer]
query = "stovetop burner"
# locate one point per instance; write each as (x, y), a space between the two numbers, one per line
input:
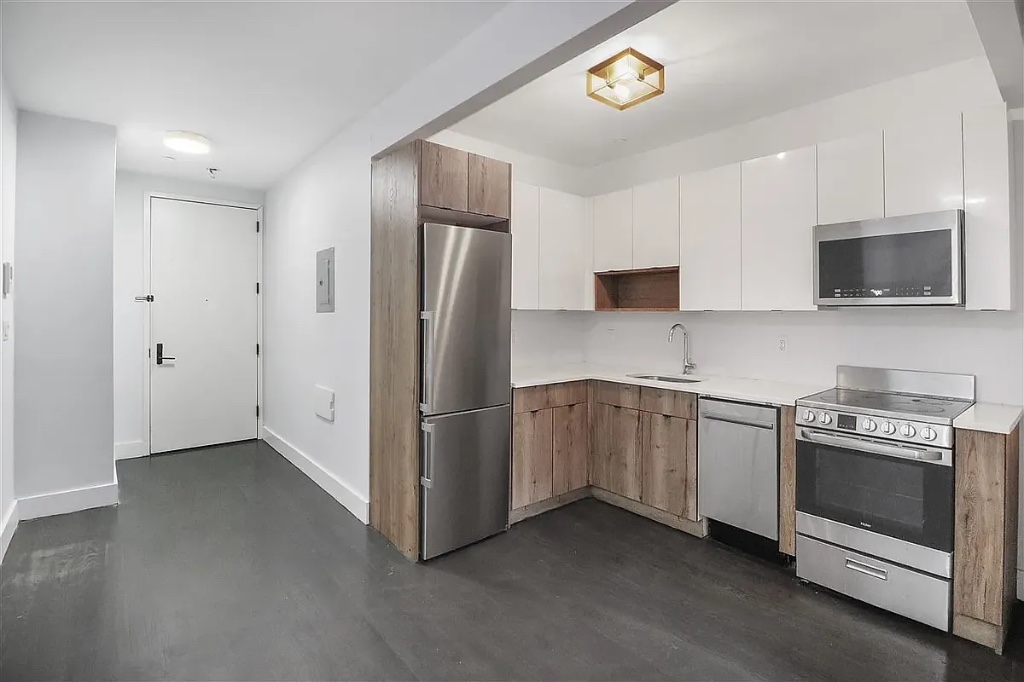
(897, 403)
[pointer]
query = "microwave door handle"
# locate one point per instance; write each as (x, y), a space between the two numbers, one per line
(872, 447)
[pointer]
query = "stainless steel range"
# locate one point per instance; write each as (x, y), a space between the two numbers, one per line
(875, 488)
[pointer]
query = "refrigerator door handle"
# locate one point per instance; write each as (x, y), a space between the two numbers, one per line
(428, 455)
(427, 373)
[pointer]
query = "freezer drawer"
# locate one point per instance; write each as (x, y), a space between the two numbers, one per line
(466, 319)
(894, 588)
(738, 465)
(465, 464)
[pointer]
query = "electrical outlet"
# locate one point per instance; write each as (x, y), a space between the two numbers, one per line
(783, 344)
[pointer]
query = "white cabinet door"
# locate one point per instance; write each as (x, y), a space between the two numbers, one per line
(562, 262)
(613, 231)
(779, 211)
(988, 246)
(709, 240)
(656, 224)
(924, 165)
(525, 246)
(851, 179)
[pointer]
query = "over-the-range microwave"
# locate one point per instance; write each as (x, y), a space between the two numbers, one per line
(904, 260)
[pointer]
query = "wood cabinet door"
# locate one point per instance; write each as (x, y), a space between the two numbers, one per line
(709, 240)
(924, 165)
(656, 224)
(615, 464)
(489, 186)
(531, 457)
(850, 182)
(779, 211)
(444, 177)
(562, 264)
(613, 231)
(525, 246)
(570, 447)
(665, 448)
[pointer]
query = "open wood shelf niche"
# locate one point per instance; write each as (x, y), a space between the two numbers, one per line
(650, 289)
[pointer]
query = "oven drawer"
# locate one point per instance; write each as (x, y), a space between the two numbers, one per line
(915, 595)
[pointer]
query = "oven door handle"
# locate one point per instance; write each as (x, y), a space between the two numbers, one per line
(872, 447)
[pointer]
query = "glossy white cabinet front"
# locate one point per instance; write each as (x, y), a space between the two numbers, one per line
(851, 179)
(987, 247)
(613, 231)
(562, 244)
(924, 165)
(656, 224)
(779, 211)
(525, 246)
(709, 240)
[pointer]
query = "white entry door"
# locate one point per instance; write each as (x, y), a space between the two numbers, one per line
(203, 334)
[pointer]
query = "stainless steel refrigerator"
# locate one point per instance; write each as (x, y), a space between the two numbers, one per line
(465, 385)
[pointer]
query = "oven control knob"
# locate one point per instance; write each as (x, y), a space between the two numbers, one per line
(809, 416)
(825, 418)
(869, 425)
(928, 433)
(888, 428)
(908, 431)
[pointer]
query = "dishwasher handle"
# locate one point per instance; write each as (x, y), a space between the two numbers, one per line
(767, 426)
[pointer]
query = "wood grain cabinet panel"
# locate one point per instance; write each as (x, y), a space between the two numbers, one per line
(787, 480)
(570, 448)
(615, 461)
(489, 186)
(444, 177)
(667, 402)
(621, 395)
(531, 457)
(663, 444)
(551, 395)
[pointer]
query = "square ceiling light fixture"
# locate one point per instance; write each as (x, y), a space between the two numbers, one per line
(626, 79)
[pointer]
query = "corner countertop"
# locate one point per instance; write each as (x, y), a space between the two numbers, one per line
(730, 388)
(990, 417)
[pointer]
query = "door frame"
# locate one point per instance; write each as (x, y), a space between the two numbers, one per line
(147, 264)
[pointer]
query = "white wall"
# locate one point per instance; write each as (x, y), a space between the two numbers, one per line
(130, 363)
(543, 337)
(326, 202)
(64, 394)
(8, 155)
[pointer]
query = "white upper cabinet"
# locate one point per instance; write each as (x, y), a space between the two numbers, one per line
(924, 165)
(656, 224)
(613, 231)
(851, 179)
(779, 211)
(709, 240)
(525, 246)
(562, 261)
(987, 247)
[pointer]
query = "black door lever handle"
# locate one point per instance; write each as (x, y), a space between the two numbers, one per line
(160, 357)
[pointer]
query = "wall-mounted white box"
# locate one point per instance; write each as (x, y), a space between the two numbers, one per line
(323, 402)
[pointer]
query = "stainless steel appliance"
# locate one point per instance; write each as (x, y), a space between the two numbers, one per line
(738, 465)
(904, 260)
(465, 385)
(874, 488)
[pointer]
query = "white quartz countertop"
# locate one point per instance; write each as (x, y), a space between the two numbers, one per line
(990, 417)
(731, 388)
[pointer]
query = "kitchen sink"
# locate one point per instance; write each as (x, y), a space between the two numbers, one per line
(661, 377)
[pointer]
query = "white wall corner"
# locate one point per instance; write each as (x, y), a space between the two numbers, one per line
(130, 449)
(67, 501)
(8, 523)
(335, 487)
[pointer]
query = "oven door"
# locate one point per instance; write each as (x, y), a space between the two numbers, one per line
(903, 492)
(906, 260)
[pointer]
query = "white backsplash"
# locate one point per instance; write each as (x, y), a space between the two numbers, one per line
(541, 337)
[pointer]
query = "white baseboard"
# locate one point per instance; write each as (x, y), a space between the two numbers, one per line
(7, 525)
(130, 449)
(67, 501)
(335, 487)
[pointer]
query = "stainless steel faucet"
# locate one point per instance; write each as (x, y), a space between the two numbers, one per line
(688, 365)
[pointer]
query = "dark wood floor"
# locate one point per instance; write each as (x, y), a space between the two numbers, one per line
(228, 564)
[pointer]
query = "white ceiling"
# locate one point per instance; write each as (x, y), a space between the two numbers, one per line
(727, 63)
(267, 82)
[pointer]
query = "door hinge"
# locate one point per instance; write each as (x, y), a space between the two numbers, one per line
(257, 411)
(257, 287)
(257, 227)
(257, 350)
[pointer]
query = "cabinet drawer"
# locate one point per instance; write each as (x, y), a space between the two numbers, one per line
(667, 402)
(620, 395)
(548, 396)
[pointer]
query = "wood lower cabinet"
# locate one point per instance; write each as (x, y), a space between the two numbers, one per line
(985, 536)
(531, 457)
(570, 448)
(615, 456)
(668, 447)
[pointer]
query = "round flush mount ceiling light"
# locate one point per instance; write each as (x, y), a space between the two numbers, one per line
(185, 142)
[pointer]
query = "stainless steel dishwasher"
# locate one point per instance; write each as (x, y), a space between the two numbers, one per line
(738, 465)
